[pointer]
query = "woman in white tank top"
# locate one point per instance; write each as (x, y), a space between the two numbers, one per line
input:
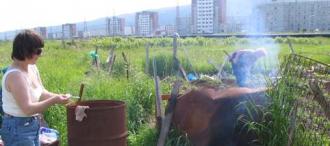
(24, 96)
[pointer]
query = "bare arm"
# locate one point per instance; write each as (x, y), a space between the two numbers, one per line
(17, 85)
(46, 95)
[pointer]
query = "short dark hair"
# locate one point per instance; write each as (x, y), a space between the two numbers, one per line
(26, 44)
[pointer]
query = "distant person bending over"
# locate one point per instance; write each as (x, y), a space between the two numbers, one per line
(24, 96)
(242, 62)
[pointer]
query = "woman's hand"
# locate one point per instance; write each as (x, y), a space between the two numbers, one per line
(62, 98)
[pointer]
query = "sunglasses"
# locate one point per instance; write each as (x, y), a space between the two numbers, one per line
(38, 51)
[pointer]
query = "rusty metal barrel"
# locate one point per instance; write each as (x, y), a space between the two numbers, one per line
(105, 124)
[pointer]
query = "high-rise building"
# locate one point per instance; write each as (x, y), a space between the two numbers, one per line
(185, 26)
(69, 31)
(170, 29)
(115, 26)
(146, 23)
(42, 31)
(296, 15)
(129, 30)
(54, 32)
(183, 23)
(208, 16)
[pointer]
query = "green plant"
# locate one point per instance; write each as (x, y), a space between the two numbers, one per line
(72, 66)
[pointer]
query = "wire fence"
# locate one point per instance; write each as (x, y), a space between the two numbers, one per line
(309, 81)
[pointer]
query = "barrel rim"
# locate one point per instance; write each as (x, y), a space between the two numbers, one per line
(121, 104)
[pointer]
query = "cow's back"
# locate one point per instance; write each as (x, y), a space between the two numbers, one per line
(208, 115)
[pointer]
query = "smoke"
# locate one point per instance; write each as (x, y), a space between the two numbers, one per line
(265, 69)
(250, 17)
(247, 15)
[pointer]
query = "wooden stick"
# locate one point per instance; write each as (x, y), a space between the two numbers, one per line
(211, 61)
(175, 46)
(226, 53)
(189, 62)
(327, 86)
(290, 46)
(292, 127)
(126, 63)
(181, 68)
(320, 98)
(146, 69)
(166, 123)
(111, 59)
(81, 92)
(159, 109)
(110, 54)
(113, 62)
(183, 72)
(96, 58)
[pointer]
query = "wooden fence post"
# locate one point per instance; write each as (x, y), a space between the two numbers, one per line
(159, 109)
(166, 123)
(320, 98)
(111, 59)
(96, 59)
(293, 121)
(184, 74)
(126, 64)
(146, 69)
(175, 47)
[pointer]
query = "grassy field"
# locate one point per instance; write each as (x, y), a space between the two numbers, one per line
(63, 69)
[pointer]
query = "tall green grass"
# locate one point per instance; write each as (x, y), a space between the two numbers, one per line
(64, 69)
(290, 110)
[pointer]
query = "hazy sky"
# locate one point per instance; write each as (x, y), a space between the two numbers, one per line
(19, 14)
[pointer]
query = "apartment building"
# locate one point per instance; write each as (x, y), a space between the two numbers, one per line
(115, 26)
(208, 16)
(42, 31)
(296, 15)
(146, 23)
(69, 31)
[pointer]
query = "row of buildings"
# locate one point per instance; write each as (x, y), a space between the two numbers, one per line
(278, 16)
(146, 24)
(210, 17)
(296, 16)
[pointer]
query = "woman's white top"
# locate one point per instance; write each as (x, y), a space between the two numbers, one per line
(10, 105)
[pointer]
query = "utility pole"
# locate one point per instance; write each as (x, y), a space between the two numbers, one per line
(85, 25)
(114, 26)
(5, 36)
(85, 29)
(177, 16)
(113, 23)
(63, 44)
(107, 23)
(50, 33)
(175, 45)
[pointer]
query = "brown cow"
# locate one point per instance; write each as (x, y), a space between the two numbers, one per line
(209, 116)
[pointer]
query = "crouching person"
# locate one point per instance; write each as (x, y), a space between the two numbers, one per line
(242, 62)
(24, 96)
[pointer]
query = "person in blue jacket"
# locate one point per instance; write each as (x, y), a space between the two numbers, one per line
(242, 62)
